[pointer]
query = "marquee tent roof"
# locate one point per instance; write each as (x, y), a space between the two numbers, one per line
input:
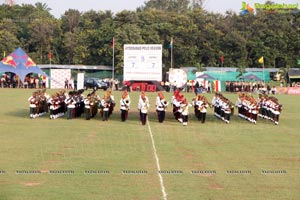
(294, 73)
(206, 76)
(234, 76)
(20, 63)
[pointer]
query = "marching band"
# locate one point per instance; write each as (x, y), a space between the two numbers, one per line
(223, 107)
(270, 108)
(247, 107)
(74, 104)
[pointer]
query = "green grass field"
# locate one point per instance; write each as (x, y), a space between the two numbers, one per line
(77, 146)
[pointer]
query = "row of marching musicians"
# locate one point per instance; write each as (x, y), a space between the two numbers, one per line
(270, 108)
(223, 107)
(181, 107)
(58, 104)
(38, 103)
(248, 108)
(73, 104)
(266, 107)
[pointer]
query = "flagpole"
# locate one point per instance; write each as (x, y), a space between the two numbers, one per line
(262, 61)
(171, 46)
(171, 57)
(263, 65)
(113, 60)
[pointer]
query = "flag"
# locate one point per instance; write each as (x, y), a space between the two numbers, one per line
(222, 58)
(217, 85)
(112, 43)
(171, 43)
(49, 56)
(261, 60)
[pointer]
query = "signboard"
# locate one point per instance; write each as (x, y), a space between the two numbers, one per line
(80, 81)
(293, 90)
(288, 90)
(142, 62)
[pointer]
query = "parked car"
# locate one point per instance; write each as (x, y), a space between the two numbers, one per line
(95, 84)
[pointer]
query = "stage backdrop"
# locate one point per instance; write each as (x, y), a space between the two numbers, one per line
(142, 62)
(58, 77)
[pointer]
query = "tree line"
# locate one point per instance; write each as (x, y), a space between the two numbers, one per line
(200, 38)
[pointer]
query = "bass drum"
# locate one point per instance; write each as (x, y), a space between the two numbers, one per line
(177, 77)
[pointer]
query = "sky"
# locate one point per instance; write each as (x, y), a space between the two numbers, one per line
(60, 6)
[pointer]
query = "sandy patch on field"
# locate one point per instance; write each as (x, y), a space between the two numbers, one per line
(31, 184)
(216, 186)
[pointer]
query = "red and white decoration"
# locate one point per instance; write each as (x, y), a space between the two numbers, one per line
(217, 85)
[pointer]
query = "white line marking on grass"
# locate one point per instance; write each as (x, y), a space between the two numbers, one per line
(157, 163)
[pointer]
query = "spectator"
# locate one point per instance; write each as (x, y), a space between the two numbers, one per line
(209, 87)
(71, 83)
(3, 80)
(117, 84)
(26, 82)
(37, 82)
(167, 86)
(31, 82)
(274, 90)
(196, 88)
(268, 89)
(66, 83)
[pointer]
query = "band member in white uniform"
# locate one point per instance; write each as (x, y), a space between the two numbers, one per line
(185, 111)
(143, 108)
(161, 106)
(124, 105)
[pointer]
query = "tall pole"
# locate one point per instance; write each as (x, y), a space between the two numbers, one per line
(263, 65)
(171, 57)
(113, 59)
(222, 65)
(171, 46)
(262, 61)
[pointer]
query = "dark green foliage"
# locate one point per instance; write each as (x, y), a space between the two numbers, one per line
(200, 37)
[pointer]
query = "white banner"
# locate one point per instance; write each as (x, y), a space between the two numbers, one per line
(143, 62)
(58, 77)
(80, 81)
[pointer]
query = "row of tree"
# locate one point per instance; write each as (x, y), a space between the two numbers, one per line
(200, 38)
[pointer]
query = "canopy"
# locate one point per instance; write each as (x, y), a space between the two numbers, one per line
(294, 73)
(19, 63)
(251, 77)
(257, 76)
(223, 75)
(234, 76)
(206, 77)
